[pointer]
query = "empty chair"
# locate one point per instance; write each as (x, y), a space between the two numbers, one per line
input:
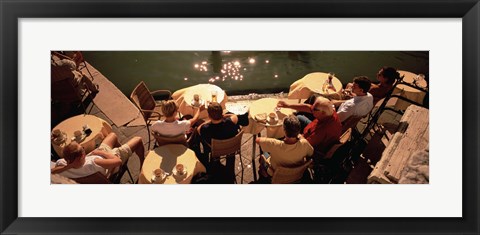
(227, 148)
(145, 102)
(164, 140)
(289, 175)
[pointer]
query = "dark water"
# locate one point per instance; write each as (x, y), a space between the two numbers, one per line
(240, 72)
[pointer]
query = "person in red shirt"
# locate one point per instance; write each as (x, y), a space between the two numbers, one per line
(325, 130)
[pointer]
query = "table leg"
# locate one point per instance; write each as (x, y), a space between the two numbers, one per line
(253, 158)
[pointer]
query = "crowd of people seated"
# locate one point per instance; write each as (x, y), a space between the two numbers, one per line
(315, 128)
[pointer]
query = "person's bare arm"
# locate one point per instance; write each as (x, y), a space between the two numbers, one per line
(109, 160)
(234, 118)
(196, 115)
(259, 139)
(60, 169)
(299, 107)
(337, 103)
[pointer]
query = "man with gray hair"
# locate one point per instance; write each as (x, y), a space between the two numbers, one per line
(325, 129)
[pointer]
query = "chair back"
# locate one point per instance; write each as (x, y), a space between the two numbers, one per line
(95, 178)
(288, 175)
(351, 122)
(164, 140)
(344, 138)
(226, 147)
(143, 99)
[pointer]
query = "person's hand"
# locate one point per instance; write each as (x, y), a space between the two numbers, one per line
(282, 104)
(95, 152)
(202, 107)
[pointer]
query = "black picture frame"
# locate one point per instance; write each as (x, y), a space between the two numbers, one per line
(11, 11)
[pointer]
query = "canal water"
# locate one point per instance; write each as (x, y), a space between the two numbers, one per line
(243, 72)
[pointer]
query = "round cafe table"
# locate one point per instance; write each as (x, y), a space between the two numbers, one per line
(167, 157)
(409, 92)
(184, 97)
(312, 83)
(100, 129)
(266, 106)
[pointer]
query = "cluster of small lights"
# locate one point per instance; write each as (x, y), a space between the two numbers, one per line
(202, 66)
(230, 70)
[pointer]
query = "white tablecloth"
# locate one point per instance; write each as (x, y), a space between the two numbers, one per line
(184, 97)
(312, 83)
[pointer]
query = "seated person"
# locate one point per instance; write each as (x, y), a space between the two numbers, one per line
(324, 130)
(106, 159)
(361, 103)
(219, 127)
(172, 126)
(386, 77)
(65, 68)
(289, 152)
(76, 56)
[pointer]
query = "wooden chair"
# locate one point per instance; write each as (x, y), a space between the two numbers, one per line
(99, 178)
(343, 139)
(95, 178)
(145, 102)
(327, 167)
(351, 123)
(289, 175)
(164, 140)
(227, 148)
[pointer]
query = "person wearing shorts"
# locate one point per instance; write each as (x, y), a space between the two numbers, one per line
(106, 159)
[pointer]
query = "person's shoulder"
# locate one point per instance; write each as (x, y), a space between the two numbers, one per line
(183, 122)
(205, 126)
(230, 120)
(269, 141)
(305, 144)
(158, 123)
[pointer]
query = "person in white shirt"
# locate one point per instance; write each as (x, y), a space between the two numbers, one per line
(171, 126)
(361, 103)
(106, 159)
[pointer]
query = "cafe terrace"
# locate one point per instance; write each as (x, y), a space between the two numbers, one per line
(388, 146)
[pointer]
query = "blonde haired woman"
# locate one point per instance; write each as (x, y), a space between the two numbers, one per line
(172, 126)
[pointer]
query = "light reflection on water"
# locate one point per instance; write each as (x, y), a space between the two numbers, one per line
(240, 72)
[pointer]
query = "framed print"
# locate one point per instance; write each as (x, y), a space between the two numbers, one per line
(449, 30)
